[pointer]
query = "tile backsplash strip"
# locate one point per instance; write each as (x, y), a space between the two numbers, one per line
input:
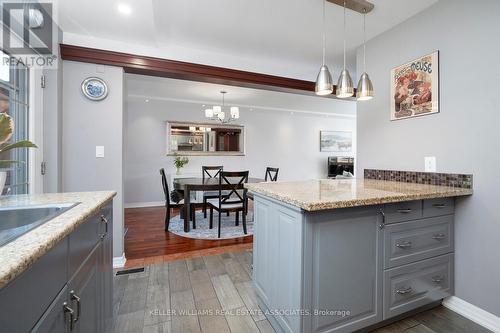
(432, 178)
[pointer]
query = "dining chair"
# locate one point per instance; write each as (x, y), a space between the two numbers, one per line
(234, 200)
(169, 205)
(210, 172)
(271, 175)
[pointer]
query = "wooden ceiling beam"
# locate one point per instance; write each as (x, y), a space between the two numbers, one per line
(138, 64)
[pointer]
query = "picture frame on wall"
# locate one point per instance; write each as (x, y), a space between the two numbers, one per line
(335, 141)
(415, 88)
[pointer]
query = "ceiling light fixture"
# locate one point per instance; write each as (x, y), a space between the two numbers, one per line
(324, 85)
(124, 9)
(365, 86)
(217, 112)
(345, 87)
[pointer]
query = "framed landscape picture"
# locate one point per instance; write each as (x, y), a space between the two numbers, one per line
(335, 141)
(415, 88)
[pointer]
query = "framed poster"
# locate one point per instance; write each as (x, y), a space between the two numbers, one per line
(335, 141)
(415, 88)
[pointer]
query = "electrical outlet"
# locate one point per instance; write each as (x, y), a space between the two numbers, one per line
(430, 163)
(99, 151)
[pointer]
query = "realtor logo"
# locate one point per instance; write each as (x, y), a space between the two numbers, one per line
(27, 32)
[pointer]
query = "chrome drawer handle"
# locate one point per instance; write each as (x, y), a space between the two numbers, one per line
(76, 298)
(403, 245)
(439, 236)
(438, 205)
(71, 313)
(105, 221)
(405, 210)
(382, 224)
(437, 279)
(404, 291)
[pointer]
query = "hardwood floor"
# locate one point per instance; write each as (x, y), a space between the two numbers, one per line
(215, 294)
(146, 237)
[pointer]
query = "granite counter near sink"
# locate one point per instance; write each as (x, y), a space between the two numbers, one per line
(17, 255)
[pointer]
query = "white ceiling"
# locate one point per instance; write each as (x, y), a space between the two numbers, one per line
(139, 87)
(276, 29)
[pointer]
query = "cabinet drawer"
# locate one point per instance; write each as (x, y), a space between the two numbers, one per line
(411, 286)
(438, 207)
(411, 241)
(403, 211)
(82, 241)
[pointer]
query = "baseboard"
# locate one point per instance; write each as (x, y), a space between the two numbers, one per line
(472, 312)
(119, 262)
(144, 204)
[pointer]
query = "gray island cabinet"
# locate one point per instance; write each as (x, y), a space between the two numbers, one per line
(69, 288)
(346, 269)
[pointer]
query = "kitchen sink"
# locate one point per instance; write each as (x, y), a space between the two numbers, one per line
(17, 220)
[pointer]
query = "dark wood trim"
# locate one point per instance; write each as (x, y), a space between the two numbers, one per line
(138, 64)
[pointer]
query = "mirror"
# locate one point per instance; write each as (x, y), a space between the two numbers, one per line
(204, 139)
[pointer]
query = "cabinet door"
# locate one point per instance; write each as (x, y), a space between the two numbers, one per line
(55, 319)
(343, 256)
(84, 294)
(262, 260)
(106, 271)
(278, 261)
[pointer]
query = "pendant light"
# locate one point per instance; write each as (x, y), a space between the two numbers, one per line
(345, 87)
(365, 86)
(217, 112)
(324, 84)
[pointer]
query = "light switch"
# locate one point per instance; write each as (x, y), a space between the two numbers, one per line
(430, 163)
(99, 151)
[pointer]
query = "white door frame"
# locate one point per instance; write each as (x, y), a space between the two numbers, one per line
(35, 156)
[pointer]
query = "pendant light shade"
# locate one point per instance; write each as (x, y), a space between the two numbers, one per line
(345, 87)
(365, 88)
(324, 84)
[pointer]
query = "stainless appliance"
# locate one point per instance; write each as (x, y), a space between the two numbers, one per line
(338, 164)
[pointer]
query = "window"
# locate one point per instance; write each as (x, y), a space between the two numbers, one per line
(14, 102)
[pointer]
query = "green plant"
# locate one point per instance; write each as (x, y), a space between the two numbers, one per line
(6, 130)
(180, 161)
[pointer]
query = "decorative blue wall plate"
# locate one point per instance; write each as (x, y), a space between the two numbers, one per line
(94, 88)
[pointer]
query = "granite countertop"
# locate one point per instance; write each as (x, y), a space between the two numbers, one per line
(314, 195)
(17, 255)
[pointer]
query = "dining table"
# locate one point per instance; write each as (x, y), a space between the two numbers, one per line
(187, 185)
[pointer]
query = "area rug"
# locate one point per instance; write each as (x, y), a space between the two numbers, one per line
(202, 231)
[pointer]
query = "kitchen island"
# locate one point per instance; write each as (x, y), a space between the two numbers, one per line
(345, 255)
(56, 271)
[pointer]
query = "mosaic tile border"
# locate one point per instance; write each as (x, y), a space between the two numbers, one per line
(432, 178)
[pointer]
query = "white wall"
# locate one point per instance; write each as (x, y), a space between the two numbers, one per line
(273, 138)
(87, 124)
(464, 136)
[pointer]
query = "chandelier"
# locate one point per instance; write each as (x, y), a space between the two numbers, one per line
(217, 112)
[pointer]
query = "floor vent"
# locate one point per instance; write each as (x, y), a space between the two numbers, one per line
(130, 271)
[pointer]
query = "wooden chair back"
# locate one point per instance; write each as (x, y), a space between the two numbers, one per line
(271, 174)
(237, 192)
(211, 171)
(164, 183)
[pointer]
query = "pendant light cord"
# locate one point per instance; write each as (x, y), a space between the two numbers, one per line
(344, 34)
(324, 33)
(364, 40)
